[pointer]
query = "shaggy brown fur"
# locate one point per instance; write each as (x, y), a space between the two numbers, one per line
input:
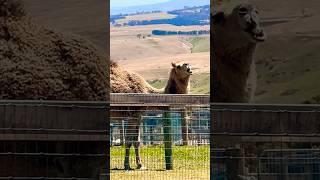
(179, 79)
(235, 37)
(37, 63)
(123, 81)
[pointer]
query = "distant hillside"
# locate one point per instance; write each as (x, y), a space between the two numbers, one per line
(187, 16)
(166, 6)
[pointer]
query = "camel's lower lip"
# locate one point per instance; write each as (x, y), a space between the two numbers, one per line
(257, 35)
(259, 38)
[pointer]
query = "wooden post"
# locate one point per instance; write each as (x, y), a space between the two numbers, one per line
(233, 164)
(151, 131)
(122, 133)
(167, 139)
(184, 127)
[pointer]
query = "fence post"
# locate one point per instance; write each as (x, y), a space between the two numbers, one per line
(184, 127)
(167, 139)
(122, 133)
(233, 164)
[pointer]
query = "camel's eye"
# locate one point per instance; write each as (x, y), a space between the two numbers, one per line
(243, 11)
(178, 66)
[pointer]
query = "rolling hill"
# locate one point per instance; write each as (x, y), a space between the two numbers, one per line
(166, 6)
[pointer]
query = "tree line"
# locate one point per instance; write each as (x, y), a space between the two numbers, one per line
(167, 33)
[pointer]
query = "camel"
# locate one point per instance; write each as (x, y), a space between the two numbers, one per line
(123, 81)
(234, 39)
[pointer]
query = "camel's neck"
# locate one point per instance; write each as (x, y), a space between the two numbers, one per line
(237, 59)
(234, 66)
(176, 85)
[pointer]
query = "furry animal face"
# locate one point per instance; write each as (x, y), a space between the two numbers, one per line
(249, 21)
(182, 70)
(244, 20)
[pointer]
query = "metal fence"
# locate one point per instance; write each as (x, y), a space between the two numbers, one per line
(53, 140)
(265, 142)
(173, 134)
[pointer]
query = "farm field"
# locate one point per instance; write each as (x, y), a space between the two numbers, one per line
(151, 56)
(148, 16)
(190, 162)
(125, 45)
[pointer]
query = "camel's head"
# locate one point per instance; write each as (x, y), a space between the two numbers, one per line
(182, 70)
(244, 22)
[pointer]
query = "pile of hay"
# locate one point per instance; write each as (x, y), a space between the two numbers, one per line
(123, 81)
(40, 64)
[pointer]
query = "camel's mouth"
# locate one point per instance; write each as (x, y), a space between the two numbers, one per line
(257, 34)
(189, 71)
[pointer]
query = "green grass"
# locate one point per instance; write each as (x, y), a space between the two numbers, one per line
(200, 83)
(157, 83)
(200, 44)
(190, 162)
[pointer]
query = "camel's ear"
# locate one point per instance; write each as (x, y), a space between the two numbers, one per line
(173, 64)
(218, 18)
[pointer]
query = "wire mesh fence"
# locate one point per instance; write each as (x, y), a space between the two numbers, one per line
(270, 164)
(160, 142)
(265, 142)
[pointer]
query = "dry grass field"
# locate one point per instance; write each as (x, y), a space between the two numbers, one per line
(151, 56)
(144, 17)
(158, 67)
(125, 45)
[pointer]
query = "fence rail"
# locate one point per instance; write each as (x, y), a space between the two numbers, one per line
(53, 120)
(267, 142)
(53, 139)
(158, 100)
(265, 123)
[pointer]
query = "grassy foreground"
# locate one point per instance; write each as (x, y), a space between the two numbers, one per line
(189, 162)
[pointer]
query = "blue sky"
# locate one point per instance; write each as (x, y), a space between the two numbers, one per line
(122, 3)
